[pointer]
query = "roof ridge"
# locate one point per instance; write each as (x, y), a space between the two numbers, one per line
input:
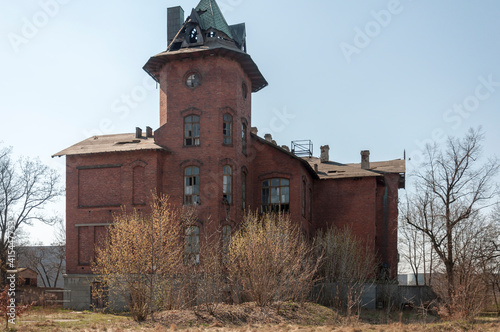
(215, 18)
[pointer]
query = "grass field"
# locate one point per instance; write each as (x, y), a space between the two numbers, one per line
(246, 317)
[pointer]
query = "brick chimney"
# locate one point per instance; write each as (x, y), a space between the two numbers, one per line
(268, 137)
(149, 132)
(138, 132)
(325, 154)
(365, 159)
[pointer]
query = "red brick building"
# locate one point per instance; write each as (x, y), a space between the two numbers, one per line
(206, 153)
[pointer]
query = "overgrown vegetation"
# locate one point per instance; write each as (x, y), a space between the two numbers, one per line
(347, 265)
(271, 260)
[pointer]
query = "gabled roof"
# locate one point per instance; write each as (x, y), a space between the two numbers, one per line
(111, 143)
(211, 17)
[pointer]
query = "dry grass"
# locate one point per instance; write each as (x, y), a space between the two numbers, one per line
(245, 317)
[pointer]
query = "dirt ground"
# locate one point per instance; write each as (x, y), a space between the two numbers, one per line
(247, 317)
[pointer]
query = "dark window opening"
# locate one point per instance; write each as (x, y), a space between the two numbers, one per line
(193, 36)
(192, 245)
(243, 190)
(192, 130)
(227, 129)
(193, 80)
(244, 138)
(192, 186)
(227, 185)
(275, 195)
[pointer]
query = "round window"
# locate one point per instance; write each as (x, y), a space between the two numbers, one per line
(193, 80)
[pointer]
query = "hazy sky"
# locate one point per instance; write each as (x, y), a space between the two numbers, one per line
(379, 75)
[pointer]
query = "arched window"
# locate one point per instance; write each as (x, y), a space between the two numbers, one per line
(227, 184)
(227, 129)
(192, 245)
(244, 138)
(275, 195)
(243, 190)
(191, 185)
(226, 239)
(192, 130)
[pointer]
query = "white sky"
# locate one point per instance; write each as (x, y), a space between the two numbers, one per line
(72, 68)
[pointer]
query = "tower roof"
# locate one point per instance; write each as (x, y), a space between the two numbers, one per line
(211, 17)
(206, 32)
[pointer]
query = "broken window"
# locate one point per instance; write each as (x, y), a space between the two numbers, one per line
(243, 189)
(227, 129)
(191, 185)
(226, 184)
(192, 130)
(244, 90)
(275, 195)
(192, 245)
(226, 242)
(193, 36)
(193, 80)
(244, 138)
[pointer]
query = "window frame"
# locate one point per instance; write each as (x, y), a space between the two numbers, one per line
(192, 198)
(195, 127)
(243, 189)
(280, 206)
(192, 245)
(227, 133)
(244, 138)
(227, 185)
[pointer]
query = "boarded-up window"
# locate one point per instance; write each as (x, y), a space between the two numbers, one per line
(85, 245)
(99, 186)
(139, 187)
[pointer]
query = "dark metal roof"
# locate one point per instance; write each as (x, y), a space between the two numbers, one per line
(211, 17)
(155, 63)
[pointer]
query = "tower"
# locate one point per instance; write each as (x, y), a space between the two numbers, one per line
(206, 79)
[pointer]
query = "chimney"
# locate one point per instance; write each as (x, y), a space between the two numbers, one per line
(149, 132)
(286, 148)
(175, 19)
(365, 159)
(316, 168)
(138, 132)
(268, 137)
(325, 154)
(254, 130)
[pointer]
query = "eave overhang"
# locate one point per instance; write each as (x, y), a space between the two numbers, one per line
(155, 63)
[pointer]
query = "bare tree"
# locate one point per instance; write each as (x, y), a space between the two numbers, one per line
(47, 261)
(26, 186)
(452, 187)
(414, 246)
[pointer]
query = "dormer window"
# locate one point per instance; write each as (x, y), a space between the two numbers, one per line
(193, 36)
(211, 34)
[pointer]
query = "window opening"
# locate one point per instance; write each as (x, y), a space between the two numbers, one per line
(226, 185)
(192, 130)
(192, 245)
(192, 186)
(227, 129)
(276, 195)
